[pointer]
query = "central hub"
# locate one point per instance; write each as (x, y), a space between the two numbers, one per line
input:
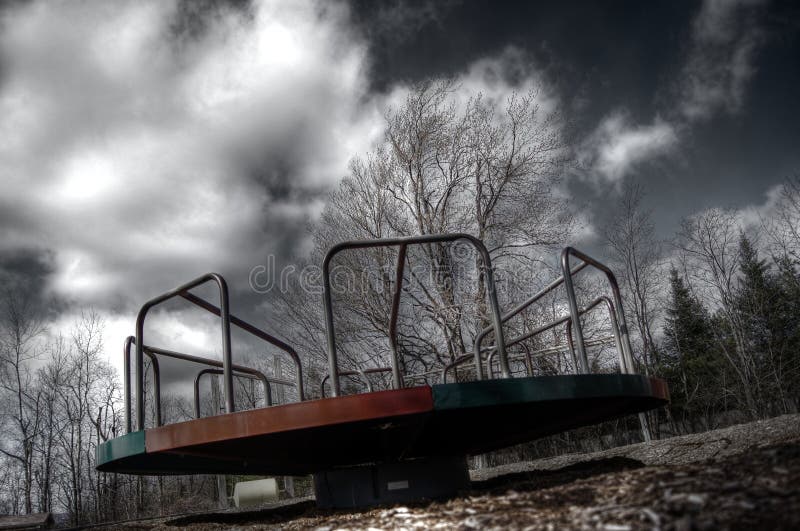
(389, 483)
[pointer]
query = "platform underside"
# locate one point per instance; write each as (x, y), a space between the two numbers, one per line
(384, 426)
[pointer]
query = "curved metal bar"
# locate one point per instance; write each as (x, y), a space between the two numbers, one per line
(257, 332)
(359, 372)
(456, 362)
(260, 376)
(519, 308)
(612, 315)
(570, 343)
(226, 340)
(530, 355)
(397, 377)
(491, 293)
(126, 355)
(573, 305)
(212, 363)
(583, 361)
(153, 352)
(126, 381)
(528, 361)
(553, 324)
(567, 319)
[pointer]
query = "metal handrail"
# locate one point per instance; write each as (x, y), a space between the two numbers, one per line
(261, 377)
(456, 362)
(257, 332)
(397, 376)
(554, 349)
(226, 340)
(359, 372)
(573, 305)
(227, 319)
(126, 377)
(491, 294)
(612, 316)
(153, 352)
(568, 320)
(537, 353)
(477, 349)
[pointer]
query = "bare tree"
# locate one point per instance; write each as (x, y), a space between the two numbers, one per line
(710, 245)
(88, 389)
(783, 226)
(637, 252)
(444, 167)
(21, 326)
(50, 378)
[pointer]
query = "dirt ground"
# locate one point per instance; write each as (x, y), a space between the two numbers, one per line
(742, 477)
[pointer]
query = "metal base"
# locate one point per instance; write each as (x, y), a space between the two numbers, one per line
(389, 483)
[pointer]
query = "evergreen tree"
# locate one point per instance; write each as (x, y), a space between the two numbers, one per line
(690, 361)
(767, 309)
(787, 326)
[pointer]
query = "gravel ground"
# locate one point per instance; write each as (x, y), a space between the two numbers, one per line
(742, 477)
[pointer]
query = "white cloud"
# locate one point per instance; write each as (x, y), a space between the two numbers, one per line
(617, 147)
(725, 38)
(139, 155)
(134, 157)
(496, 79)
(719, 64)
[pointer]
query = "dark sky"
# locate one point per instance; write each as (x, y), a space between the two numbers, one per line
(624, 55)
(143, 143)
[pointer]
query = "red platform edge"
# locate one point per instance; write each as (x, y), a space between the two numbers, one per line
(309, 414)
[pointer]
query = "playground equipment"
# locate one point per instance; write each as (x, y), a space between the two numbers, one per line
(385, 446)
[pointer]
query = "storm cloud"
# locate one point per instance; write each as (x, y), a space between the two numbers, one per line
(146, 143)
(128, 146)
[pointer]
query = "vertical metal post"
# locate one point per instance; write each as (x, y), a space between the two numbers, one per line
(227, 377)
(130, 340)
(490, 366)
(126, 379)
(612, 315)
(570, 344)
(333, 360)
(623, 325)
(156, 385)
(280, 397)
(226, 340)
(528, 361)
(497, 321)
(617, 342)
(573, 310)
(491, 293)
(397, 378)
(197, 394)
(140, 369)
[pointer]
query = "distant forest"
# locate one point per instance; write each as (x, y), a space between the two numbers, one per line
(713, 309)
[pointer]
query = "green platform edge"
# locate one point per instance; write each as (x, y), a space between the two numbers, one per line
(505, 391)
(120, 447)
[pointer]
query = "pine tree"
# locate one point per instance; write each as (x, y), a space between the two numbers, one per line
(690, 360)
(767, 310)
(787, 327)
